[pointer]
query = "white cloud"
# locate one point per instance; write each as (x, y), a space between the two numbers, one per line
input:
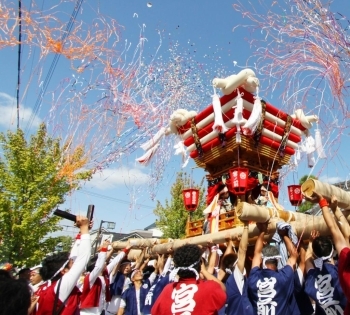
(331, 180)
(110, 178)
(8, 117)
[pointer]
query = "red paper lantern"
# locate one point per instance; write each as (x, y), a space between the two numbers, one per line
(191, 198)
(239, 180)
(295, 196)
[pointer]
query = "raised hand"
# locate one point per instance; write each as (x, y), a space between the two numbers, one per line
(334, 202)
(105, 244)
(262, 226)
(314, 234)
(83, 223)
(314, 198)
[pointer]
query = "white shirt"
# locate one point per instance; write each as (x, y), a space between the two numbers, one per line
(114, 304)
(239, 278)
(82, 252)
(123, 304)
(70, 279)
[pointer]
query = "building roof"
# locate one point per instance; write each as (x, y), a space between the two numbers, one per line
(152, 226)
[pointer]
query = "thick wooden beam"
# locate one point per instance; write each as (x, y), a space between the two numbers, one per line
(302, 228)
(301, 223)
(326, 190)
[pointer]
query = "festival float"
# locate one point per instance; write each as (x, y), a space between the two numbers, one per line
(242, 141)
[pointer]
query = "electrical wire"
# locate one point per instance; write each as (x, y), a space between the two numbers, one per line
(19, 56)
(112, 199)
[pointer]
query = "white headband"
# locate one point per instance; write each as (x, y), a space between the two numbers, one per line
(229, 271)
(319, 260)
(176, 270)
(269, 258)
(133, 273)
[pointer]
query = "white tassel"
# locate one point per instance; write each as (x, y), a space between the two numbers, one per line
(146, 158)
(254, 118)
(310, 144)
(319, 145)
(179, 148)
(238, 119)
(154, 140)
(219, 124)
(238, 134)
(295, 160)
(184, 164)
(309, 148)
(310, 159)
(298, 154)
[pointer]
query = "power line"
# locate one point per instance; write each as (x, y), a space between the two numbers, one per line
(19, 56)
(113, 199)
(53, 65)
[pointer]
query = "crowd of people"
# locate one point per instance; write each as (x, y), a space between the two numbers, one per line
(281, 278)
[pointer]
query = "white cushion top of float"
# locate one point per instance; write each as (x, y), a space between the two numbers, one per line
(246, 105)
(267, 133)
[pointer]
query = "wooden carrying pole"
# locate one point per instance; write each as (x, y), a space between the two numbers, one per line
(326, 190)
(302, 227)
(216, 238)
(251, 212)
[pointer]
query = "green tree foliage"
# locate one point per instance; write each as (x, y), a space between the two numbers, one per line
(63, 243)
(306, 205)
(172, 217)
(34, 179)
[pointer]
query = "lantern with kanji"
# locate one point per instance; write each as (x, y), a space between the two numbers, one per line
(191, 198)
(239, 180)
(295, 196)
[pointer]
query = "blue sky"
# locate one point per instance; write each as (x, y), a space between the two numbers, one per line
(201, 31)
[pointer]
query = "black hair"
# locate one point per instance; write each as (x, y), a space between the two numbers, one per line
(123, 264)
(52, 264)
(229, 260)
(125, 261)
(90, 267)
(91, 264)
(270, 251)
(4, 274)
(185, 256)
(15, 297)
(221, 187)
(255, 192)
(322, 246)
(147, 271)
(22, 271)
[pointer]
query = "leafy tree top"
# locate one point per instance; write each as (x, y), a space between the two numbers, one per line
(32, 184)
(172, 217)
(306, 205)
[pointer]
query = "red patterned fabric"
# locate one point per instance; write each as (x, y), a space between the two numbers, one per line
(211, 193)
(344, 275)
(252, 183)
(272, 187)
(189, 296)
(47, 299)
